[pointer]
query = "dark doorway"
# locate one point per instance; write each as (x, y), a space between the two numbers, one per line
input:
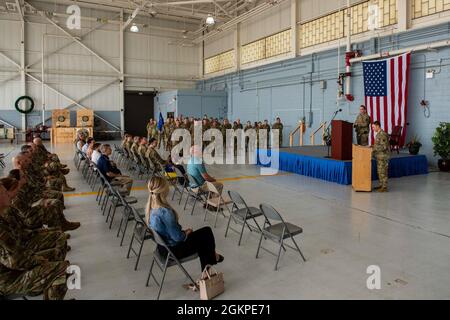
(138, 110)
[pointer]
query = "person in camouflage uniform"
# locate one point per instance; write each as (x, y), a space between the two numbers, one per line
(226, 125)
(361, 125)
(265, 126)
(32, 203)
(149, 129)
(171, 129)
(153, 156)
(30, 263)
(381, 154)
(142, 149)
(247, 126)
(279, 126)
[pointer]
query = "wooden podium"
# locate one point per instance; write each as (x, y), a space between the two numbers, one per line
(362, 168)
(341, 140)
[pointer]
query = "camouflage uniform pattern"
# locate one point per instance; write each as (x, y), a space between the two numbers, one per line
(279, 126)
(361, 126)
(155, 158)
(33, 264)
(381, 153)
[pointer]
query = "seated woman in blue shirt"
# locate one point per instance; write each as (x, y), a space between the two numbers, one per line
(163, 219)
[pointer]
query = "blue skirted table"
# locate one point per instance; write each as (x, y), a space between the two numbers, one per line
(341, 171)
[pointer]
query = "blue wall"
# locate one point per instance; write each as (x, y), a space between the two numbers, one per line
(192, 103)
(292, 88)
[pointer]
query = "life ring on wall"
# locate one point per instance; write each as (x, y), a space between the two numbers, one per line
(85, 118)
(61, 119)
(29, 107)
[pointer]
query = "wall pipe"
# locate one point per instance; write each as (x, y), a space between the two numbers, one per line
(433, 45)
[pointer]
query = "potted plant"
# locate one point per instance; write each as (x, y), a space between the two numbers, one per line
(441, 141)
(414, 145)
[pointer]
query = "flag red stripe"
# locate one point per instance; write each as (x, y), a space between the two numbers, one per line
(392, 92)
(400, 90)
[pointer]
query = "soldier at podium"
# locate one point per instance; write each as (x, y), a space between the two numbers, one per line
(381, 154)
(361, 125)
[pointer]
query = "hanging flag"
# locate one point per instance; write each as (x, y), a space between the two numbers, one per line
(386, 92)
(160, 122)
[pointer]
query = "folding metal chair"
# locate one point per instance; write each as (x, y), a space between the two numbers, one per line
(127, 216)
(278, 232)
(118, 200)
(180, 187)
(166, 262)
(217, 200)
(241, 213)
(195, 193)
(141, 233)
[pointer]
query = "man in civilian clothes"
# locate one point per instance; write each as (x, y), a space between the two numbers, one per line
(111, 172)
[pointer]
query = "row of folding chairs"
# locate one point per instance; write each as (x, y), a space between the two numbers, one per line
(109, 198)
(274, 227)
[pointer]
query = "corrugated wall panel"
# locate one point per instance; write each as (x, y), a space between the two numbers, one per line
(270, 22)
(220, 44)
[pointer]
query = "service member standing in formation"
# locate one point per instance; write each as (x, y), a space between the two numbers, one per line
(279, 126)
(150, 129)
(361, 125)
(381, 153)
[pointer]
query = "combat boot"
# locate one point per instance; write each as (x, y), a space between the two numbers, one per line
(57, 292)
(67, 189)
(65, 171)
(382, 189)
(69, 226)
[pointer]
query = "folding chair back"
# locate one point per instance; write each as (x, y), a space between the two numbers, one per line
(237, 199)
(180, 175)
(212, 188)
(270, 213)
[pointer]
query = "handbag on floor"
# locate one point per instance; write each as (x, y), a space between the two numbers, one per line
(211, 283)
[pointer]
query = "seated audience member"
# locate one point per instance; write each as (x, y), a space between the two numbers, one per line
(196, 169)
(89, 142)
(110, 170)
(153, 155)
(81, 141)
(30, 264)
(94, 152)
(163, 219)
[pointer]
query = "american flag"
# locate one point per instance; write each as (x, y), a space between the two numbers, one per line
(386, 92)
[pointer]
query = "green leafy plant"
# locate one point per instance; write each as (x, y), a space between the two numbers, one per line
(414, 143)
(441, 140)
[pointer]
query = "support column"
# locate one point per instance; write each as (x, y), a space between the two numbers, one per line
(122, 78)
(237, 47)
(404, 15)
(23, 79)
(201, 55)
(294, 28)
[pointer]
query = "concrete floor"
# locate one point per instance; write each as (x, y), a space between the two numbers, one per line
(406, 232)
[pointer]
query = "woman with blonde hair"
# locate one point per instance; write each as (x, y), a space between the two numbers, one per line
(163, 219)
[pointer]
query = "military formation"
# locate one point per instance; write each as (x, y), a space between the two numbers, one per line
(163, 136)
(380, 149)
(33, 238)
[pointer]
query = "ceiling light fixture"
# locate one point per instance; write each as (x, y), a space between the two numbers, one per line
(210, 20)
(134, 28)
